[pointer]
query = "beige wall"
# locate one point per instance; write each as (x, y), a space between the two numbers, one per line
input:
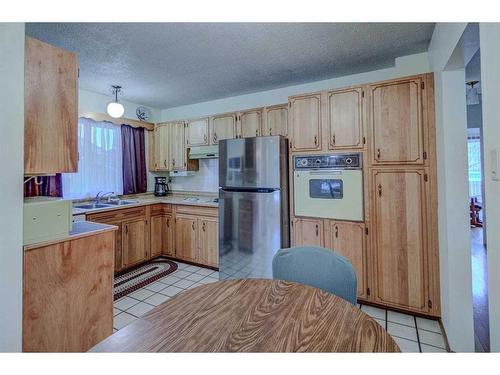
(11, 184)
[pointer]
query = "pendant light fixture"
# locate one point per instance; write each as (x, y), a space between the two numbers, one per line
(472, 95)
(115, 109)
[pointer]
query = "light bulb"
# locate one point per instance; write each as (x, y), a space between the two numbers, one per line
(115, 109)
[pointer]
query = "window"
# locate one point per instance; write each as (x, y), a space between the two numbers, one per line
(474, 157)
(100, 161)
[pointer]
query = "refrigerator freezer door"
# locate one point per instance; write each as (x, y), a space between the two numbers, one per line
(250, 226)
(251, 162)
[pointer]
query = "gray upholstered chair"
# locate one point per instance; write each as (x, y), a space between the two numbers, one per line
(317, 267)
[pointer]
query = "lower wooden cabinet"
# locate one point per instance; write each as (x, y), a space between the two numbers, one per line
(68, 294)
(135, 242)
(307, 231)
(208, 241)
(186, 246)
(349, 240)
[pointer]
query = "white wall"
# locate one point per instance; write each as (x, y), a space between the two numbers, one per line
(95, 102)
(490, 83)
(11, 184)
(454, 231)
(406, 65)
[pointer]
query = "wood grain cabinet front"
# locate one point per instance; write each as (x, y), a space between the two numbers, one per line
(222, 127)
(345, 119)
(249, 123)
(275, 120)
(208, 241)
(308, 232)
(305, 122)
(197, 132)
(186, 244)
(161, 235)
(50, 109)
(135, 241)
(396, 121)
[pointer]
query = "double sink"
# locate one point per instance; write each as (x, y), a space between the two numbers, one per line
(91, 206)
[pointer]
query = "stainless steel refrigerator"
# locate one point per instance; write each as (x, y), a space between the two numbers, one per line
(253, 205)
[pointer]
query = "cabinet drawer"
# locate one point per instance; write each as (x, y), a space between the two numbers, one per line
(121, 214)
(162, 208)
(197, 210)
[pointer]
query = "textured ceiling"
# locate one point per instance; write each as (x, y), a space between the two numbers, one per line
(170, 64)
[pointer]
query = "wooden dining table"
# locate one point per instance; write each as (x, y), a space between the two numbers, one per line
(252, 315)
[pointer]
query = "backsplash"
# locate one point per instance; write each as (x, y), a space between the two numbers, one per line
(204, 180)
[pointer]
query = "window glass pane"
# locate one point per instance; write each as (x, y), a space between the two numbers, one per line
(100, 161)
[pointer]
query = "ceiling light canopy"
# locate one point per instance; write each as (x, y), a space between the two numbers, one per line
(115, 109)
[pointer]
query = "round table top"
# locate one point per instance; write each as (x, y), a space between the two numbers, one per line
(252, 315)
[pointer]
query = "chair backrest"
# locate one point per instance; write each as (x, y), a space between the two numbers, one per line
(317, 267)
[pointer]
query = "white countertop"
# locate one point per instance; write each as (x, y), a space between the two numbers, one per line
(181, 199)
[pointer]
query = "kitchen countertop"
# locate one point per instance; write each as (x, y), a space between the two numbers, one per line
(80, 229)
(151, 199)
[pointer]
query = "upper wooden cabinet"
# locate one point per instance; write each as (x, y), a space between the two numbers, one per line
(400, 238)
(345, 119)
(162, 147)
(177, 146)
(275, 120)
(349, 240)
(305, 122)
(396, 121)
(197, 132)
(307, 232)
(249, 123)
(50, 109)
(222, 127)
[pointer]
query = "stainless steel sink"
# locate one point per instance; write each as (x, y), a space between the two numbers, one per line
(92, 206)
(120, 202)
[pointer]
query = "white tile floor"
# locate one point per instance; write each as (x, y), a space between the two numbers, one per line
(132, 306)
(412, 334)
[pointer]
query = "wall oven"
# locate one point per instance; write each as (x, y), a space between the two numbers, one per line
(329, 186)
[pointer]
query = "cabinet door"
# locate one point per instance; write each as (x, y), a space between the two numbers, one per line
(400, 248)
(177, 147)
(222, 127)
(135, 237)
(50, 109)
(118, 239)
(162, 148)
(305, 122)
(197, 132)
(308, 232)
(349, 239)
(208, 241)
(396, 122)
(250, 123)
(168, 236)
(345, 117)
(157, 234)
(276, 120)
(186, 246)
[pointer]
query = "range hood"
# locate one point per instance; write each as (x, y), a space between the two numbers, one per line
(204, 152)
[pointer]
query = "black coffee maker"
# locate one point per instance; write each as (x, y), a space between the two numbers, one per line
(161, 186)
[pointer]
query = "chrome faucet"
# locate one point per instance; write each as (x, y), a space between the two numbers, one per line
(99, 196)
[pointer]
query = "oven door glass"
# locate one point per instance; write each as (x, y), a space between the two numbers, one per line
(326, 188)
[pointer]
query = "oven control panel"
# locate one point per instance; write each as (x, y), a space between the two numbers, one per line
(328, 161)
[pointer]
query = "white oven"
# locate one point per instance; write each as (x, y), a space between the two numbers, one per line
(328, 186)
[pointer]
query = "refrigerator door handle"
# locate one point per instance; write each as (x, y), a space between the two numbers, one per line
(250, 190)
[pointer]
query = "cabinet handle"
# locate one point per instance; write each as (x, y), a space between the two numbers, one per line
(336, 231)
(215, 137)
(203, 227)
(168, 223)
(315, 140)
(165, 163)
(187, 141)
(317, 230)
(257, 132)
(379, 190)
(270, 131)
(192, 225)
(205, 138)
(333, 139)
(173, 162)
(378, 153)
(126, 229)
